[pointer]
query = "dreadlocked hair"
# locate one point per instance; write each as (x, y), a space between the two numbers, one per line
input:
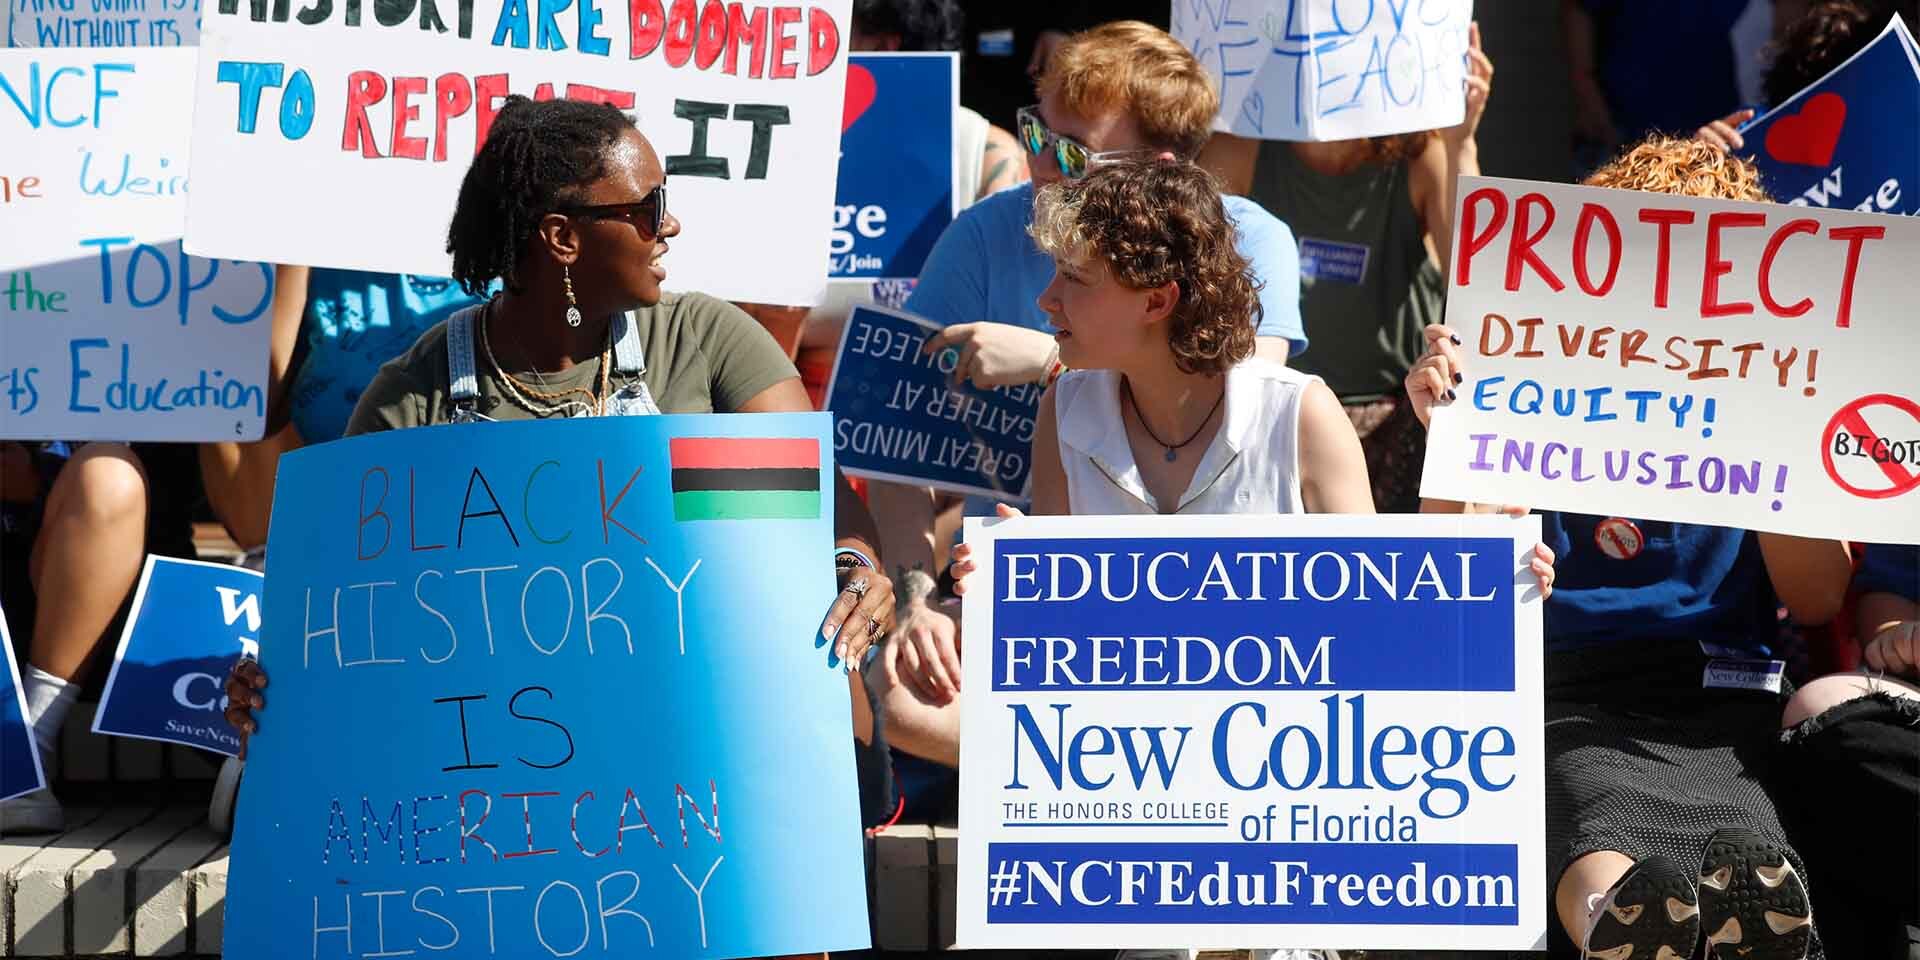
(537, 157)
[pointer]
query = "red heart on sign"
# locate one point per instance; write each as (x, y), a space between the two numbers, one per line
(860, 93)
(1808, 137)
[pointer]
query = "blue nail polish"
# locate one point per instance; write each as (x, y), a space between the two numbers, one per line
(1458, 378)
(1449, 396)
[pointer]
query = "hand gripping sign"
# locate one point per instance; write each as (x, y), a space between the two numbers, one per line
(1699, 361)
(1241, 731)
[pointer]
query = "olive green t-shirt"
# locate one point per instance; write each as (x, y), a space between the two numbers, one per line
(703, 356)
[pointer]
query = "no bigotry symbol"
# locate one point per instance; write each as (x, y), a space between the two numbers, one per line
(1901, 478)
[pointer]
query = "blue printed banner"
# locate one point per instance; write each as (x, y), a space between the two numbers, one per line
(897, 190)
(552, 689)
(1847, 141)
(19, 755)
(1237, 732)
(190, 620)
(897, 414)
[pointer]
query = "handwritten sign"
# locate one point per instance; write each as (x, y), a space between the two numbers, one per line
(899, 416)
(19, 754)
(375, 117)
(111, 332)
(1330, 69)
(1741, 364)
(897, 179)
(552, 689)
(1221, 732)
(190, 619)
(103, 23)
(1847, 142)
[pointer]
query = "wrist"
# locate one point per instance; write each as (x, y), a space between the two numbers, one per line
(913, 589)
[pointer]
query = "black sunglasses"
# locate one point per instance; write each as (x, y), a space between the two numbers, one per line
(648, 215)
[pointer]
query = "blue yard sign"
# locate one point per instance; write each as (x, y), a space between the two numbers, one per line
(898, 415)
(552, 689)
(19, 756)
(1847, 141)
(190, 620)
(896, 189)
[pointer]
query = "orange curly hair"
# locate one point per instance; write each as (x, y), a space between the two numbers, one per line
(1154, 223)
(1685, 167)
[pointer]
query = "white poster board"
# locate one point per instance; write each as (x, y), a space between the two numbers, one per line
(1330, 69)
(1252, 732)
(333, 136)
(1746, 365)
(110, 332)
(97, 23)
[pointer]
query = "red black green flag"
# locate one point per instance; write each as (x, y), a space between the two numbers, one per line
(745, 478)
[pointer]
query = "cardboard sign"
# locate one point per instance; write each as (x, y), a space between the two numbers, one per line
(1847, 141)
(19, 754)
(103, 23)
(1330, 70)
(1253, 731)
(111, 332)
(899, 416)
(552, 688)
(190, 620)
(1698, 361)
(338, 138)
(897, 179)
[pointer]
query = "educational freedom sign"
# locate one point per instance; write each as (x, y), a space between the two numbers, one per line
(1847, 141)
(190, 621)
(1746, 365)
(552, 689)
(1253, 731)
(336, 134)
(110, 331)
(899, 416)
(1330, 70)
(897, 179)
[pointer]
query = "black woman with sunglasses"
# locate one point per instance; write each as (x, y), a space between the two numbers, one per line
(566, 206)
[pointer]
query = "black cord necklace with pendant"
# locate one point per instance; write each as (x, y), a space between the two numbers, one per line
(1173, 449)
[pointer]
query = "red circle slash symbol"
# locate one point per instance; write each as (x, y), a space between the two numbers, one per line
(1851, 418)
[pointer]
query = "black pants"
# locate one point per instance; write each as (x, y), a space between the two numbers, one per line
(1850, 796)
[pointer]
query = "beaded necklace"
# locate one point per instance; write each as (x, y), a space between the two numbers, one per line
(524, 393)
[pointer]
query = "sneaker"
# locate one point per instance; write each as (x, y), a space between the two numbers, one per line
(36, 812)
(1752, 903)
(1650, 913)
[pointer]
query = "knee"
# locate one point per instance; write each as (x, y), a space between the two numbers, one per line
(1821, 695)
(109, 486)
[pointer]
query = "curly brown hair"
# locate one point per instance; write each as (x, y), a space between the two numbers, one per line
(1154, 223)
(1684, 167)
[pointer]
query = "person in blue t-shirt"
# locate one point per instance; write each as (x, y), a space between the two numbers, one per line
(1665, 700)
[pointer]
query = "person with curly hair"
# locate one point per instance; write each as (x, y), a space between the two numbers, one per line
(1664, 799)
(1375, 218)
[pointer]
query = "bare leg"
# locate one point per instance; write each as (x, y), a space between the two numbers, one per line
(1591, 874)
(91, 546)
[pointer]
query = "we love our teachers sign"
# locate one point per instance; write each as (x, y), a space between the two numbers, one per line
(335, 133)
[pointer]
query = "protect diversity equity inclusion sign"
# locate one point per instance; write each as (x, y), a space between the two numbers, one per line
(190, 621)
(1847, 141)
(1241, 731)
(1698, 361)
(552, 689)
(1328, 70)
(899, 416)
(336, 135)
(110, 331)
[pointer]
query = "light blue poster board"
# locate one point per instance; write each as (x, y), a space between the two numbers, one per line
(19, 756)
(190, 621)
(552, 689)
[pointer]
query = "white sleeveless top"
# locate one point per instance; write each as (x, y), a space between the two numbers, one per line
(1252, 465)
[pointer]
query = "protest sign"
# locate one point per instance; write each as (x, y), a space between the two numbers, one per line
(497, 660)
(1253, 731)
(335, 140)
(897, 179)
(103, 23)
(1847, 141)
(19, 754)
(1327, 69)
(899, 416)
(111, 332)
(190, 620)
(1697, 361)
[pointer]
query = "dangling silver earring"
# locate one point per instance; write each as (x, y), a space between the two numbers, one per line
(573, 306)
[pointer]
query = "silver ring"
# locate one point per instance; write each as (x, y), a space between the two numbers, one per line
(858, 587)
